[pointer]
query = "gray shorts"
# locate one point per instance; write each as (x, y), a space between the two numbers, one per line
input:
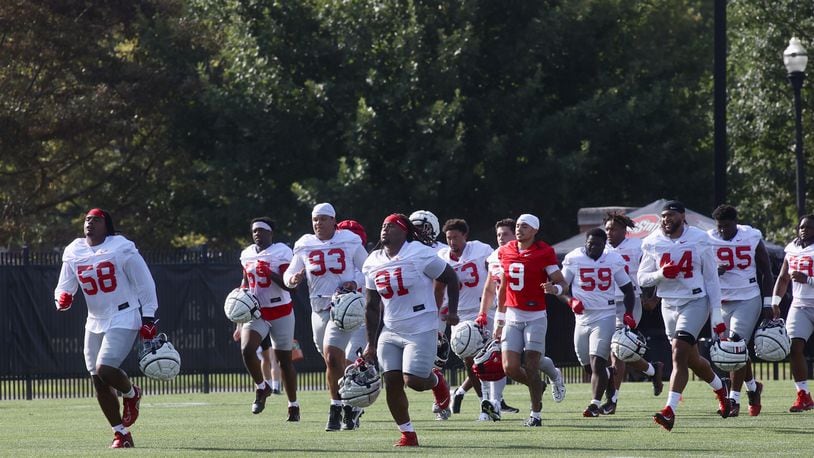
(319, 322)
(519, 336)
(800, 322)
(408, 353)
(620, 312)
(689, 317)
(741, 317)
(347, 341)
(108, 348)
(281, 331)
(594, 339)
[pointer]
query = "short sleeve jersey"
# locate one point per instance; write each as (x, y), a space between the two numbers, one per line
(525, 272)
(471, 271)
(737, 256)
(276, 258)
(594, 281)
(631, 252)
(801, 259)
(405, 284)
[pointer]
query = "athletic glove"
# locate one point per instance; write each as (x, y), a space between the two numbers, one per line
(629, 320)
(149, 328)
(576, 305)
(64, 302)
(482, 320)
(670, 270)
(719, 329)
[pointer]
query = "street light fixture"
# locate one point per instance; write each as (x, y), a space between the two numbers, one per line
(795, 60)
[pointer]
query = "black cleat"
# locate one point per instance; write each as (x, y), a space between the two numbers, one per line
(489, 409)
(457, 400)
(260, 399)
(507, 408)
(293, 413)
(334, 419)
(532, 422)
(351, 416)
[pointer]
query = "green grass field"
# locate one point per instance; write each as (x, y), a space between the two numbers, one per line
(222, 424)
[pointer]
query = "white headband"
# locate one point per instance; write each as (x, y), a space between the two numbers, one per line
(261, 225)
(531, 220)
(323, 209)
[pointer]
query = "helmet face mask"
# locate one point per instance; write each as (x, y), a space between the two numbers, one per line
(361, 384)
(426, 222)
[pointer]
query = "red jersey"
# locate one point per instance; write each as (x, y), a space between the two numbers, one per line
(524, 271)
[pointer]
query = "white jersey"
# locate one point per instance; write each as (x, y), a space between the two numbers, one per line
(405, 284)
(594, 281)
(631, 252)
(471, 271)
(739, 281)
(802, 260)
(438, 246)
(327, 263)
(276, 257)
(114, 279)
(698, 275)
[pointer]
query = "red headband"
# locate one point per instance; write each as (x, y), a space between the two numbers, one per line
(96, 212)
(396, 219)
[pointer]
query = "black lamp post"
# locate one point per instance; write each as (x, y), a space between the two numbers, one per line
(795, 60)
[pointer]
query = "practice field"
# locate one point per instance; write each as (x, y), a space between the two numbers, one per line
(222, 424)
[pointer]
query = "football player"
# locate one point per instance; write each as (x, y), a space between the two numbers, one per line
(264, 263)
(616, 225)
(399, 280)
(798, 269)
(468, 260)
(529, 267)
(331, 260)
(744, 270)
(678, 260)
(593, 275)
(122, 303)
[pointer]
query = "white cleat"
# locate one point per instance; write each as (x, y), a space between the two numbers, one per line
(558, 387)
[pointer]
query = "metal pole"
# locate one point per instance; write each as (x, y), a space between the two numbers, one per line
(719, 101)
(796, 79)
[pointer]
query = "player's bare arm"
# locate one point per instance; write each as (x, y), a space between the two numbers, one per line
(780, 287)
(449, 277)
(373, 312)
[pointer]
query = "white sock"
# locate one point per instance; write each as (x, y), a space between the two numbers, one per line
(336, 402)
(672, 400)
(716, 383)
(120, 429)
(460, 391)
(650, 371)
(484, 390)
(293, 404)
(802, 386)
(735, 396)
(751, 385)
(497, 389)
(406, 428)
(261, 385)
(130, 394)
(535, 414)
(615, 396)
(596, 402)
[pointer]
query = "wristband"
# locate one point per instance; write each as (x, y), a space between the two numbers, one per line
(776, 300)
(500, 316)
(559, 290)
(767, 301)
(810, 280)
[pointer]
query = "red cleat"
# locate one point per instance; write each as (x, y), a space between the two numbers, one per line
(802, 403)
(441, 390)
(754, 400)
(122, 440)
(724, 403)
(408, 439)
(130, 411)
(666, 418)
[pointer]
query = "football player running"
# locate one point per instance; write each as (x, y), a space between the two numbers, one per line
(744, 270)
(468, 259)
(678, 260)
(399, 280)
(493, 391)
(616, 225)
(331, 261)
(798, 269)
(122, 303)
(529, 266)
(593, 275)
(264, 263)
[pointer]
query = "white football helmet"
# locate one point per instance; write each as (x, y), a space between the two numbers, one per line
(442, 351)
(729, 355)
(427, 221)
(628, 345)
(158, 359)
(361, 384)
(772, 342)
(467, 339)
(241, 306)
(348, 310)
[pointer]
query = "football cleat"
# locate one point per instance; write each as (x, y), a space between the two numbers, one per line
(130, 408)
(591, 411)
(334, 419)
(122, 440)
(802, 403)
(350, 421)
(608, 408)
(408, 439)
(666, 418)
(457, 400)
(754, 400)
(724, 404)
(532, 422)
(507, 408)
(276, 391)
(443, 414)
(293, 413)
(441, 391)
(734, 408)
(260, 399)
(484, 417)
(489, 410)
(558, 387)
(658, 378)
